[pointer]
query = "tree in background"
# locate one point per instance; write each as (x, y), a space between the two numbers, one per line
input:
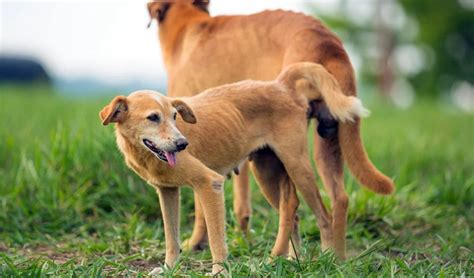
(22, 70)
(400, 45)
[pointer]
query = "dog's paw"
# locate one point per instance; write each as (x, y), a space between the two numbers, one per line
(270, 259)
(292, 254)
(156, 271)
(217, 271)
(188, 246)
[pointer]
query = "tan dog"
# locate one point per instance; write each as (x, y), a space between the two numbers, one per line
(232, 121)
(201, 51)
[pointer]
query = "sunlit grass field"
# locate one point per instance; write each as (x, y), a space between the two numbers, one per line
(70, 207)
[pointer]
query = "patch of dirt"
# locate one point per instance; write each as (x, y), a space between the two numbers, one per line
(143, 265)
(3, 247)
(50, 252)
(58, 256)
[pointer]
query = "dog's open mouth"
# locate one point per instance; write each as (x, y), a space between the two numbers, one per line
(168, 157)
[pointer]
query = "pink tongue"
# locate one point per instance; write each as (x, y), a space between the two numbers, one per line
(171, 157)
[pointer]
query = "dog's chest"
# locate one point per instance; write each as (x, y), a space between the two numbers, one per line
(144, 166)
(151, 173)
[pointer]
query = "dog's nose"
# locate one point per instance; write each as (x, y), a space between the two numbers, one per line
(181, 144)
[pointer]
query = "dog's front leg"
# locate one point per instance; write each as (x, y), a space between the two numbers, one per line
(211, 194)
(169, 202)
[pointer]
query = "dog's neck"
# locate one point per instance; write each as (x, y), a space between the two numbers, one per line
(126, 147)
(135, 154)
(173, 28)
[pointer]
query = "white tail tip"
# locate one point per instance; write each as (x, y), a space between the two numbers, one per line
(358, 109)
(355, 109)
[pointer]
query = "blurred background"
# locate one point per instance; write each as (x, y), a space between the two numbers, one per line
(92, 47)
(401, 49)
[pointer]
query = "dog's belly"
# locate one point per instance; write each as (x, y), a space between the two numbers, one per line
(223, 156)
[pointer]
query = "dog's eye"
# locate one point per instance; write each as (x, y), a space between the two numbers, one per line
(154, 118)
(174, 116)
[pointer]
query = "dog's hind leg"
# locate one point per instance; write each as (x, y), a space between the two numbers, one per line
(242, 196)
(288, 204)
(198, 238)
(293, 152)
(327, 152)
(281, 194)
(327, 155)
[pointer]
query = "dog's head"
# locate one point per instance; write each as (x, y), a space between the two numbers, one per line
(158, 9)
(147, 120)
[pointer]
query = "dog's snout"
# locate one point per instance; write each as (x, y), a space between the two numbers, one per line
(181, 144)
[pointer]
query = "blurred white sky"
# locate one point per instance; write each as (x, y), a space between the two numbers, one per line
(107, 40)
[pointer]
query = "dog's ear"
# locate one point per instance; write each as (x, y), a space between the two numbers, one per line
(202, 4)
(157, 10)
(184, 110)
(153, 8)
(115, 111)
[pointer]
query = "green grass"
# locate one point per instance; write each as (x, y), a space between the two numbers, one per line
(70, 207)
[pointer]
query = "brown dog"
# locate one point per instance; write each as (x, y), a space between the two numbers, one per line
(227, 124)
(201, 51)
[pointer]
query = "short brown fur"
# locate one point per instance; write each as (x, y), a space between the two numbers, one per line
(224, 125)
(201, 51)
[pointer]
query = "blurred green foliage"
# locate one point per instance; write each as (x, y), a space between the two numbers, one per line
(439, 34)
(447, 28)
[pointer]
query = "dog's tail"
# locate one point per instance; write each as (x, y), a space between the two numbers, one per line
(347, 109)
(323, 86)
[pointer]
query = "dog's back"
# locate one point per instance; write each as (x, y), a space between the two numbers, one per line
(201, 52)
(285, 37)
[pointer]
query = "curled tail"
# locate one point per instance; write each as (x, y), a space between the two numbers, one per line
(347, 110)
(323, 86)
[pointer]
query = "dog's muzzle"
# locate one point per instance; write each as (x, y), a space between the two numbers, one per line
(165, 156)
(181, 144)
